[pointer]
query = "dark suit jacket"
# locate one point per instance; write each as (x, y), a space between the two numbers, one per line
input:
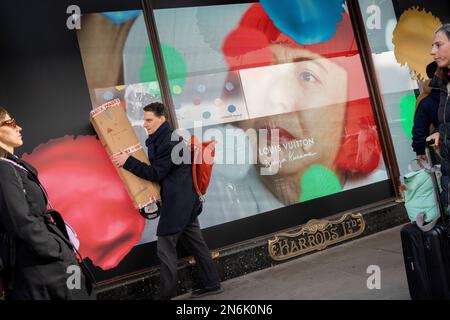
(180, 203)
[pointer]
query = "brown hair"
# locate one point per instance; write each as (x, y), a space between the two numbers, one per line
(157, 108)
(445, 29)
(444, 74)
(3, 114)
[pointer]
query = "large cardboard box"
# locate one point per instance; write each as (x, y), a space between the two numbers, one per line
(116, 134)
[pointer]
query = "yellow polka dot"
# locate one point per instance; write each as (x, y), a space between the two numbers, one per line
(413, 43)
(218, 102)
(177, 90)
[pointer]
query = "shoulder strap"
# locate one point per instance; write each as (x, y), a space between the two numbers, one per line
(194, 171)
(11, 243)
(20, 180)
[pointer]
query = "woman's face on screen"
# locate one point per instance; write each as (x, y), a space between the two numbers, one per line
(305, 101)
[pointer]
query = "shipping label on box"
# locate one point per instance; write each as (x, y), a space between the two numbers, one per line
(116, 134)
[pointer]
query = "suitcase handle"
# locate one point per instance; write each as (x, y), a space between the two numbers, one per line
(420, 222)
(431, 156)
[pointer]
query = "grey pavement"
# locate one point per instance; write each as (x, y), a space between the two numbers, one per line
(338, 273)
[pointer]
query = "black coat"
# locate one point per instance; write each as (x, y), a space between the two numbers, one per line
(440, 83)
(180, 204)
(42, 256)
(426, 114)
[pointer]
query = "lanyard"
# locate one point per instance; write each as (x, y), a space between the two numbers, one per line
(15, 164)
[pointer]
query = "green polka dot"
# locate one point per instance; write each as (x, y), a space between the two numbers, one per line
(175, 66)
(407, 109)
(207, 115)
(318, 182)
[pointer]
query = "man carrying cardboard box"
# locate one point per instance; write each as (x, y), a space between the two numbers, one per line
(180, 204)
(116, 134)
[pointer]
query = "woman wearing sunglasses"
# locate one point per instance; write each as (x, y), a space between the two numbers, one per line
(36, 263)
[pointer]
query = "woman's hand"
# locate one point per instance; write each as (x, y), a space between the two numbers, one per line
(119, 159)
(434, 137)
(422, 157)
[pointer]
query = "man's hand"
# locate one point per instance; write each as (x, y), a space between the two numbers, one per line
(119, 159)
(434, 137)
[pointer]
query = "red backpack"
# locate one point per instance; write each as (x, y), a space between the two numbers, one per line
(202, 157)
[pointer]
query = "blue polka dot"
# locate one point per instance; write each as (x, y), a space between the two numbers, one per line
(229, 86)
(231, 109)
(119, 17)
(108, 95)
(201, 88)
(206, 115)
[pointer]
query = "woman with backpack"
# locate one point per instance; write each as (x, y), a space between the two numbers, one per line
(180, 204)
(36, 260)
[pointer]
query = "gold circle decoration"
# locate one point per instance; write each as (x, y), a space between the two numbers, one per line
(412, 38)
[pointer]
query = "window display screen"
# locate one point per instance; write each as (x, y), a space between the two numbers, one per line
(230, 79)
(290, 111)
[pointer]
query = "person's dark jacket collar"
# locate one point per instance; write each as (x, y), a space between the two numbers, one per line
(156, 137)
(24, 164)
(440, 79)
(435, 95)
(12, 157)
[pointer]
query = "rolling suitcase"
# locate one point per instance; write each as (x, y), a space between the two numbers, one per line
(426, 254)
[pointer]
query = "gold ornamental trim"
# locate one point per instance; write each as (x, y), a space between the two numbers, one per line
(316, 235)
